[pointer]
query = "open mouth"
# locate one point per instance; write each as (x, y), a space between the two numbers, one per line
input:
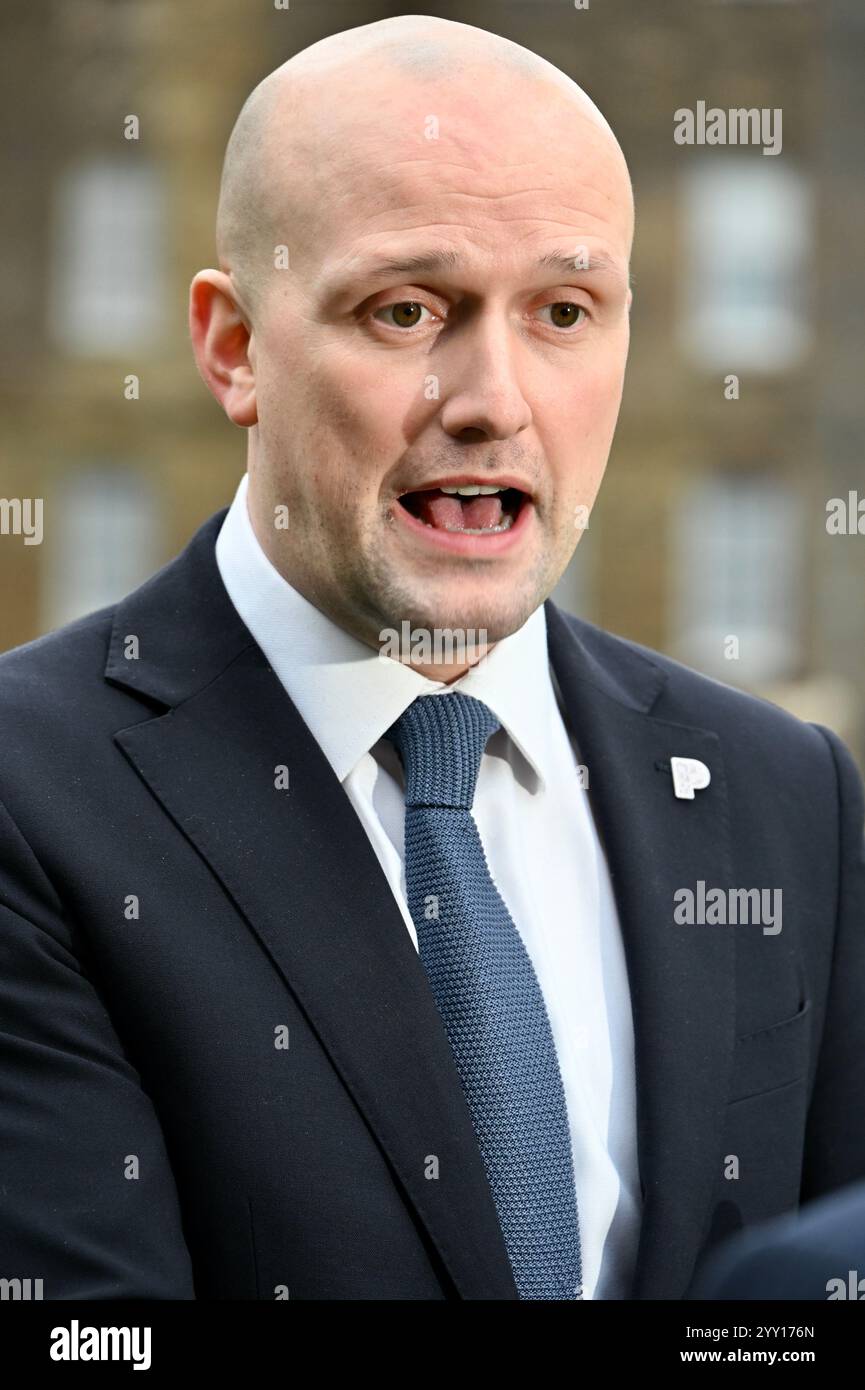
(470, 511)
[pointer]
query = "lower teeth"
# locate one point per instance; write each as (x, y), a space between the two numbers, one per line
(477, 530)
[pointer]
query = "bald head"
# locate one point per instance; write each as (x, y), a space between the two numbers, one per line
(305, 117)
(458, 219)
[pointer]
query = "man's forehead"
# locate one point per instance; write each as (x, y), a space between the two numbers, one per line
(378, 161)
(359, 200)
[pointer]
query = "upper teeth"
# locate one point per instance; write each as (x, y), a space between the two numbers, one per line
(472, 490)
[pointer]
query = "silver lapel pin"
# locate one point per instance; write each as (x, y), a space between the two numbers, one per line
(689, 776)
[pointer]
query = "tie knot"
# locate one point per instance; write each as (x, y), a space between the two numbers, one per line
(441, 740)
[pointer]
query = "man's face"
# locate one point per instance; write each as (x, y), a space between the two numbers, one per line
(375, 386)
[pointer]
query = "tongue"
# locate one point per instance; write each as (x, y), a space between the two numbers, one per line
(442, 509)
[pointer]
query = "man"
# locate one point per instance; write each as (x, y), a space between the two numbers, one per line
(344, 965)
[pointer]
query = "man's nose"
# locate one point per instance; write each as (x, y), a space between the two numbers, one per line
(484, 394)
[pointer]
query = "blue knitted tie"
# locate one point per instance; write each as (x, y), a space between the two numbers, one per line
(488, 995)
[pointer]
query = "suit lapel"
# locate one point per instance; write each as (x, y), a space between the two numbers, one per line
(300, 869)
(681, 977)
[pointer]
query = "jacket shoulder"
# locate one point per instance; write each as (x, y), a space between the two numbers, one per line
(50, 666)
(687, 696)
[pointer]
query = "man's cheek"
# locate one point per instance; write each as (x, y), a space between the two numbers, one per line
(349, 413)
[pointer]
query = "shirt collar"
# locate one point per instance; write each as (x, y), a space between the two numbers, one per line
(348, 695)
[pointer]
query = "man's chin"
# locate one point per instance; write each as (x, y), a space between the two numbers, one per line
(484, 623)
(492, 606)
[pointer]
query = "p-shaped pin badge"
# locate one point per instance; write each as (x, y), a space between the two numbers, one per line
(689, 776)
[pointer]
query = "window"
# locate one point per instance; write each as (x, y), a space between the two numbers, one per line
(736, 569)
(107, 288)
(747, 231)
(101, 529)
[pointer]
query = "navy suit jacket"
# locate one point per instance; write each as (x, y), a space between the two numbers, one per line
(170, 919)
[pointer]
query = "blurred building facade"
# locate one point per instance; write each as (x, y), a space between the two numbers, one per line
(744, 409)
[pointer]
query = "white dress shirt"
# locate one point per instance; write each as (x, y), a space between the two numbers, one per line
(541, 845)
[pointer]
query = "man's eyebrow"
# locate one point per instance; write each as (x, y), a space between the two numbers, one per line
(429, 262)
(421, 264)
(574, 265)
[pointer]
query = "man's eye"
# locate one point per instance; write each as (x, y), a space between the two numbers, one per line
(406, 313)
(564, 314)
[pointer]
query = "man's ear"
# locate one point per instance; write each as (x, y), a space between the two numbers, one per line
(220, 336)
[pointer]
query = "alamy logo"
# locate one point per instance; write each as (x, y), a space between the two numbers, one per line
(710, 907)
(442, 646)
(75, 1343)
(20, 1290)
(851, 1287)
(846, 516)
(22, 516)
(738, 126)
